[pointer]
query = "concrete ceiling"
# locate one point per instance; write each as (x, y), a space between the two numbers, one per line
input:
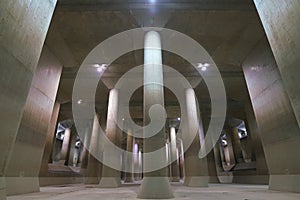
(227, 29)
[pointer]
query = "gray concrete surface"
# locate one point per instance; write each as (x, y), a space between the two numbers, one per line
(128, 191)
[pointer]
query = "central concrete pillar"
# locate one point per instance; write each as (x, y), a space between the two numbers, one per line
(155, 184)
(111, 178)
(196, 172)
(174, 155)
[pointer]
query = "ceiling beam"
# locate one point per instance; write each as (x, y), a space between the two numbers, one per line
(121, 6)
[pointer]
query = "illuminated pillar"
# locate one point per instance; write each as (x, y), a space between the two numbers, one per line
(174, 155)
(155, 184)
(129, 161)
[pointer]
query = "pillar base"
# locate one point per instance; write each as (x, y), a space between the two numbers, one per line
(155, 188)
(226, 177)
(91, 180)
(129, 180)
(21, 185)
(2, 189)
(196, 181)
(109, 182)
(174, 179)
(286, 183)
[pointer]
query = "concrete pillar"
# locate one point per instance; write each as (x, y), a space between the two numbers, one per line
(32, 133)
(129, 160)
(65, 145)
(281, 23)
(155, 184)
(49, 144)
(137, 162)
(70, 157)
(223, 176)
(94, 166)
(246, 146)
(174, 156)
(236, 144)
(110, 177)
(229, 151)
(85, 149)
(275, 116)
(181, 158)
(262, 172)
(23, 30)
(196, 172)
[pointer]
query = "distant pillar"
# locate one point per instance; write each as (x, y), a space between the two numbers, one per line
(237, 147)
(111, 177)
(174, 156)
(155, 184)
(129, 160)
(72, 148)
(229, 149)
(65, 145)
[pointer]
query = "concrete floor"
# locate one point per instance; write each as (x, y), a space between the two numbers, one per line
(224, 192)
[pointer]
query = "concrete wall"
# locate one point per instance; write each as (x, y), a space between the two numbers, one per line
(25, 162)
(275, 118)
(23, 28)
(281, 21)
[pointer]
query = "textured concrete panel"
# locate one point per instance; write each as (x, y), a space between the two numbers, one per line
(23, 28)
(30, 141)
(275, 117)
(281, 21)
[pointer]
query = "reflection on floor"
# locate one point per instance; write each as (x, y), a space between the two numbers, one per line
(128, 191)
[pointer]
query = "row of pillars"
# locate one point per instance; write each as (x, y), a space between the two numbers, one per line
(155, 184)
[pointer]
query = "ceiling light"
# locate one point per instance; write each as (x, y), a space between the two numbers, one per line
(79, 101)
(96, 65)
(203, 66)
(203, 69)
(152, 1)
(178, 118)
(100, 67)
